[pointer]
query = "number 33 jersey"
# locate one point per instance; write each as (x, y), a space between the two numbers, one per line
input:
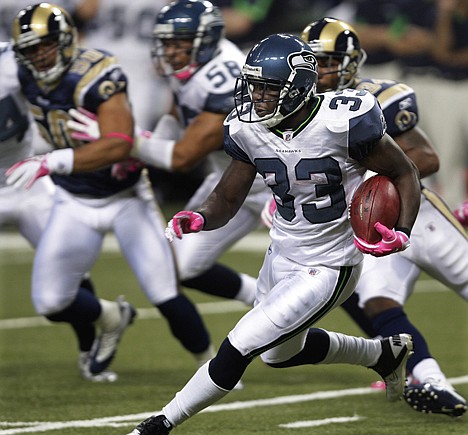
(313, 172)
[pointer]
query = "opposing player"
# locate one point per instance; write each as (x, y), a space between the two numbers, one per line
(202, 67)
(91, 198)
(28, 210)
(439, 244)
(312, 152)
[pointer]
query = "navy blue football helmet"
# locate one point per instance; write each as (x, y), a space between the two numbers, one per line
(49, 26)
(198, 21)
(284, 69)
(330, 39)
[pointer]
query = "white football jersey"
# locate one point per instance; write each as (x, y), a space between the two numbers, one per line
(15, 132)
(313, 172)
(211, 89)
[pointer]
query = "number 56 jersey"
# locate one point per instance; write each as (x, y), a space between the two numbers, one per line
(313, 172)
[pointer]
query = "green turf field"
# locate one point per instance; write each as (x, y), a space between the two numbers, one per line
(42, 393)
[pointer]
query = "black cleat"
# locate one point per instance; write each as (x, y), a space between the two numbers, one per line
(154, 425)
(391, 365)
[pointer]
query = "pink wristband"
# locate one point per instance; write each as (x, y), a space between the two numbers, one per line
(123, 136)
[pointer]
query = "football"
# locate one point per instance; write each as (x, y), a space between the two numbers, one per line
(375, 200)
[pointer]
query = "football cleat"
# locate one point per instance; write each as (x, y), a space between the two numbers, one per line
(391, 365)
(434, 397)
(105, 345)
(154, 425)
(83, 366)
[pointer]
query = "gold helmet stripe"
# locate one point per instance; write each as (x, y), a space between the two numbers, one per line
(330, 33)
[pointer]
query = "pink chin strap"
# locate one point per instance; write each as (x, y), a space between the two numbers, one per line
(186, 72)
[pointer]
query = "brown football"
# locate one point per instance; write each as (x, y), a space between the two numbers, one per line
(375, 200)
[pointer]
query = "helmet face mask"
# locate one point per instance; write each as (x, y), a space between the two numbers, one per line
(44, 41)
(197, 21)
(338, 50)
(278, 78)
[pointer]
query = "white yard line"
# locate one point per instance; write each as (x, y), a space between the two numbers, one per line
(132, 419)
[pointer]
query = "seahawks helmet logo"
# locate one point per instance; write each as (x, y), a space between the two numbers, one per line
(303, 60)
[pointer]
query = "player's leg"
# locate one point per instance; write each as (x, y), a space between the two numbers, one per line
(352, 308)
(59, 265)
(151, 258)
(197, 253)
(297, 299)
(442, 252)
(32, 213)
(387, 282)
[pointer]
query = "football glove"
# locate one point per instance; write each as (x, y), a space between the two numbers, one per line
(184, 222)
(24, 173)
(392, 241)
(84, 125)
(268, 212)
(461, 213)
(121, 170)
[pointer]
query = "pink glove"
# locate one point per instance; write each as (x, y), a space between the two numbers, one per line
(184, 222)
(268, 212)
(24, 173)
(461, 213)
(121, 170)
(392, 241)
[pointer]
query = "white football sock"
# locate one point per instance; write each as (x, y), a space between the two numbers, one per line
(352, 350)
(428, 369)
(199, 393)
(247, 291)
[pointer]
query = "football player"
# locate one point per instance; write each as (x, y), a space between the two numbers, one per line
(312, 151)
(202, 67)
(28, 210)
(439, 244)
(92, 197)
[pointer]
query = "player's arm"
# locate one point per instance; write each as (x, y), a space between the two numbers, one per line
(229, 194)
(387, 158)
(220, 206)
(418, 147)
(115, 120)
(202, 136)
(165, 147)
(116, 126)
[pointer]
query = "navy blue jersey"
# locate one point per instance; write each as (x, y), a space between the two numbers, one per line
(397, 100)
(92, 79)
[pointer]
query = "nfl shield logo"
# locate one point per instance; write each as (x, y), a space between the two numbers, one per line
(288, 135)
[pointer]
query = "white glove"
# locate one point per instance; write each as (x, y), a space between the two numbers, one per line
(84, 125)
(24, 173)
